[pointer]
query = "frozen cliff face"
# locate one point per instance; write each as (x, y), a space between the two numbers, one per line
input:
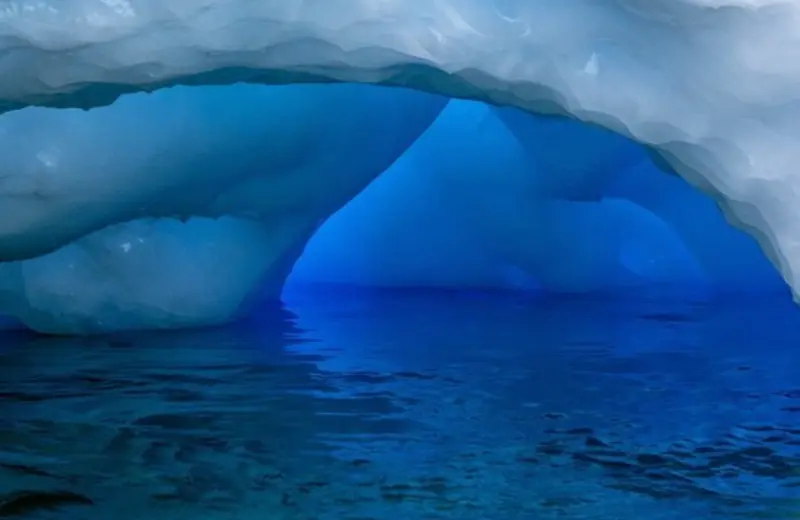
(710, 87)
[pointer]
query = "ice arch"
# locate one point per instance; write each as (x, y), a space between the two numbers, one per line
(710, 86)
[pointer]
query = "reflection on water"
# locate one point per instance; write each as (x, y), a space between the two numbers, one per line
(418, 406)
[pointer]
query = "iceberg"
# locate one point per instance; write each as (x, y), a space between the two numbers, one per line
(165, 163)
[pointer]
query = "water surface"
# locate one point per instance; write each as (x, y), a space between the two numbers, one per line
(414, 405)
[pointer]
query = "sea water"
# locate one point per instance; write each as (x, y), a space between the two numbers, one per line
(414, 405)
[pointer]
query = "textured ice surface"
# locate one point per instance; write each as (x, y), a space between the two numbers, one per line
(711, 87)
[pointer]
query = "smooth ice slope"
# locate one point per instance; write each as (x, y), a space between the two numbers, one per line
(493, 198)
(180, 208)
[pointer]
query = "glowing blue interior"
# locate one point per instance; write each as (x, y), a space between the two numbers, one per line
(497, 198)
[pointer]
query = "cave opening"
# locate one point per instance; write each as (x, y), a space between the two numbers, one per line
(191, 206)
(493, 198)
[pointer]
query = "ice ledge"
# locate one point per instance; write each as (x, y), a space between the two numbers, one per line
(712, 86)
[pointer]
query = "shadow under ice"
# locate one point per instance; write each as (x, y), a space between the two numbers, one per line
(406, 405)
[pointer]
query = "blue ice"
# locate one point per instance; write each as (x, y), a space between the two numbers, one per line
(496, 198)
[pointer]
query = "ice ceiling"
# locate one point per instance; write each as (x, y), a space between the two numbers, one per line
(127, 201)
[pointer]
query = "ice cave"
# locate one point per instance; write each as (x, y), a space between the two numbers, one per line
(290, 258)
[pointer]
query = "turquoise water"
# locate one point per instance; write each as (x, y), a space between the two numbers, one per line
(414, 406)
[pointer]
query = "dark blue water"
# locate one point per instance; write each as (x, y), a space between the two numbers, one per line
(414, 406)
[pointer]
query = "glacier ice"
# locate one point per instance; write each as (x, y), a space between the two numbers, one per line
(705, 88)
